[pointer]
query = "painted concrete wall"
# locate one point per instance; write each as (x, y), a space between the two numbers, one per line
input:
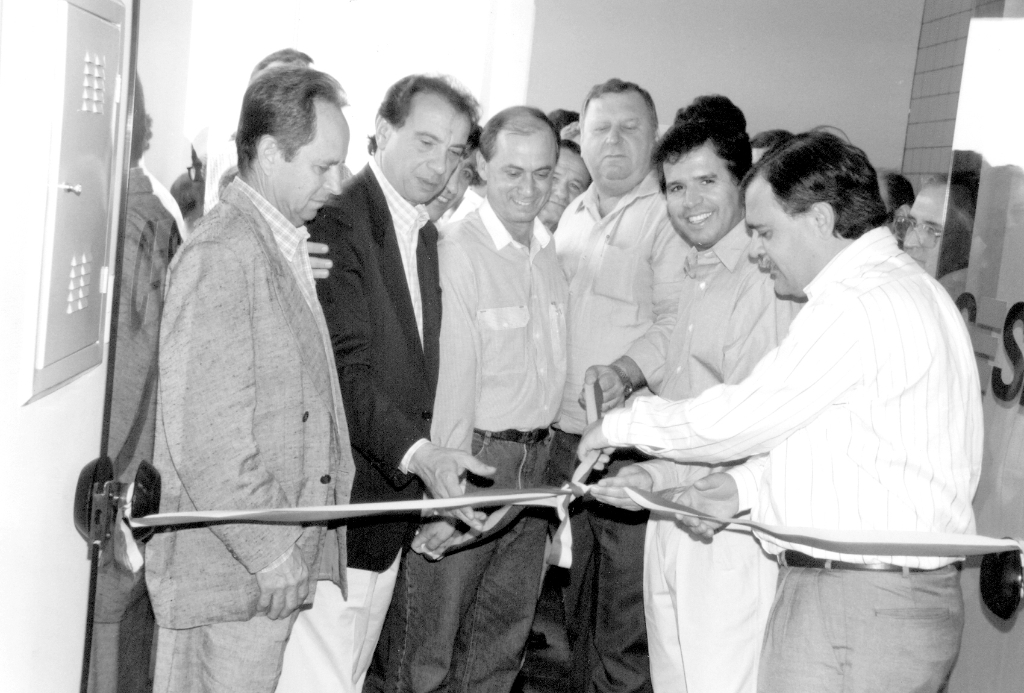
(788, 64)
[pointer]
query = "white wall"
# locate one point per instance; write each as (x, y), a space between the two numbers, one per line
(43, 445)
(788, 64)
(367, 46)
(163, 69)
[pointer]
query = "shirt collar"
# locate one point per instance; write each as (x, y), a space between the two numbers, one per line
(852, 260)
(500, 235)
(400, 208)
(733, 246)
(645, 188)
(287, 236)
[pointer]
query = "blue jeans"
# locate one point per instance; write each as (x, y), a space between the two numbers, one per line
(467, 617)
(859, 631)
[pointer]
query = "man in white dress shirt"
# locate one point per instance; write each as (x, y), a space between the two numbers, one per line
(870, 412)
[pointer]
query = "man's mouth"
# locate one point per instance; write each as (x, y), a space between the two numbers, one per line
(765, 264)
(697, 219)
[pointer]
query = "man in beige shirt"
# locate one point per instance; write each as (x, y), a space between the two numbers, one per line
(624, 265)
(706, 603)
(502, 369)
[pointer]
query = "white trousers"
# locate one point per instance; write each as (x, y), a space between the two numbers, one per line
(706, 607)
(332, 643)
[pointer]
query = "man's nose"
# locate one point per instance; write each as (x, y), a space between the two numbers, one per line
(757, 247)
(438, 163)
(692, 196)
(335, 175)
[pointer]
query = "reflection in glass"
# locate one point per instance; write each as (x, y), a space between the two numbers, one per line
(123, 630)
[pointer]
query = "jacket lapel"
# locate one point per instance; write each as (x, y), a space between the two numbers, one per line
(391, 268)
(293, 304)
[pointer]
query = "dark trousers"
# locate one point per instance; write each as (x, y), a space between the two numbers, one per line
(460, 624)
(604, 601)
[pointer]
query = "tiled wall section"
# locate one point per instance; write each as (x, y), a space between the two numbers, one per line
(940, 59)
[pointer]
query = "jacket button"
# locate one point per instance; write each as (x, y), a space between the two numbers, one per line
(305, 416)
(325, 479)
(427, 415)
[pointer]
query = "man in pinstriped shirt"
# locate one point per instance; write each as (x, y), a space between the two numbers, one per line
(870, 412)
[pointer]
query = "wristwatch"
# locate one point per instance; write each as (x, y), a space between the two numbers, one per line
(627, 384)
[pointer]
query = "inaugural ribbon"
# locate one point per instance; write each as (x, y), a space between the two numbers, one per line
(864, 542)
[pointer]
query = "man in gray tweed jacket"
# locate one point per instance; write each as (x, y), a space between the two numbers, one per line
(249, 414)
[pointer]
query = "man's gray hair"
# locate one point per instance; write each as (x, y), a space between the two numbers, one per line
(282, 103)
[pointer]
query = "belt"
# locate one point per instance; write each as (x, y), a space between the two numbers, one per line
(559, 432)
(795, 559)
(513, 435)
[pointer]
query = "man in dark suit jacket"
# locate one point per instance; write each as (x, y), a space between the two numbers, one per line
(382, 301)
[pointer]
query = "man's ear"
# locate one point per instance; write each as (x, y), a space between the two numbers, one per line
(481, 165)
(823, 216)
(382, 132)
(268, 153)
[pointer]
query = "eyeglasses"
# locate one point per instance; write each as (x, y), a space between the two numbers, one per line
(928, 233)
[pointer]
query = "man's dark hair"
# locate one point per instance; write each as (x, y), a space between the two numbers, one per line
(285, 56)
(818, 166)
(521, 120)
(472, 145)
(561, 117)
(618, 86)
(282, 103)
(397, 102)
(767, 139)
(713, 120)
(571, 146)
(901, 192)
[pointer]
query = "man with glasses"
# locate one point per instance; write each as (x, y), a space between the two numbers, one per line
(920, 229)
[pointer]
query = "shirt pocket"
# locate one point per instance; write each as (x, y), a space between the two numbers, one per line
(617, 274)
(503, 334)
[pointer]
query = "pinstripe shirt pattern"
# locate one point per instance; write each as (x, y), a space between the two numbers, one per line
(870, 410)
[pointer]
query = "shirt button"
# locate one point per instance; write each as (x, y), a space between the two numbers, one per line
(690, 328)
(305, 416)
(325, 479)
(703, 284)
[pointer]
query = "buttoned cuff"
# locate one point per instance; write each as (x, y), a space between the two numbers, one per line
(407, 457)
